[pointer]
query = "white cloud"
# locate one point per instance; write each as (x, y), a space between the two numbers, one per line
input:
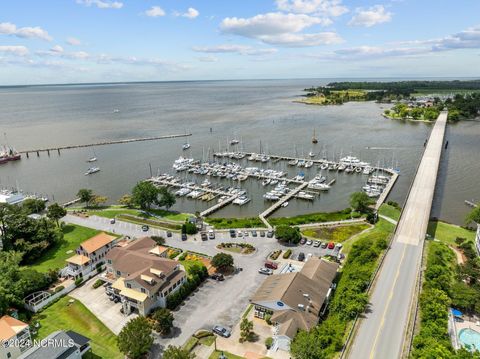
(281, 29)
(14, 50)
(57, 49)
(237, 49)
(73, 41)
(207, 59)
(331, 8)
(374, 15)
(191, 13)
(133, 60)
(101, 4)
(155, 11)
(7, 28)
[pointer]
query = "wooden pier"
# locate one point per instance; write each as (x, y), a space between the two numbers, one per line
(387, 190)
(281, 201)
(218, 206)
(102, 143)
(471, 203)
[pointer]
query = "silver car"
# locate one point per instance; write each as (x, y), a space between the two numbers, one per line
(222, 331)
(266, 271)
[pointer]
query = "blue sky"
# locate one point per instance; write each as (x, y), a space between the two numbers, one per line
(63, 41)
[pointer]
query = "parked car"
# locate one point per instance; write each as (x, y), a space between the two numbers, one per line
(303, 240)
(116, 299)
(184, 236)
(217, 276)
(145, 228)
(301, 256)
(262, 233)
(169, 234)
(324, 245)
(211, 234)
(331, 245)
(112, 221)
(204, 236)
(254, 233)
(338, 246)
(221, 330)
(240, 234)
(271, 265)
(265, 271)
(232, 233)
(317, 244)
(270, 234)
(309, 242)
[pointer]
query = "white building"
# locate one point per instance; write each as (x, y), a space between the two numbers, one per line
(13, 332)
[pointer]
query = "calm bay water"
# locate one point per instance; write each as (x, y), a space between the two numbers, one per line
(255, 111)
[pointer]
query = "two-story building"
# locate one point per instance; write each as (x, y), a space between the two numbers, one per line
(14, 337)
(295, 300)
(88, 255)
(143, 276)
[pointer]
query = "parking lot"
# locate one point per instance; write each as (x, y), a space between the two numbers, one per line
(214, 302)
(96, 300)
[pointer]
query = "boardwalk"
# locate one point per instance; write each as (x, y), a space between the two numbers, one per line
(381, 333)
(103, 143)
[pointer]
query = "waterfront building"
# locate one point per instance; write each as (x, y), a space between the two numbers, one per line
(12, 333)
(59, 345)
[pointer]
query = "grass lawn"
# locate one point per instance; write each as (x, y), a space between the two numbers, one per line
(336, 234)
(55, 256)
(207, 341)
(113, 211)
(216, 355)
(153, 222)
(314, 218)
(76, 317)
(189, 263)
(225, 223)
(381, 230)
(389, 211)
(447, 233)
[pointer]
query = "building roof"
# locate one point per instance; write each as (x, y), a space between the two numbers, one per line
(9, 327)
(304, 292)
(96, 242)
(158, 250)
(61, 350)
(78, 259)
(128, 292)
(136, 263)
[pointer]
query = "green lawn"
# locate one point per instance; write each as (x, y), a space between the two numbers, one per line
(216, 355)
(447, 233)
(381, 230)
(336, 234)
(389, 211)
(225, 223)
(76, 317)
(314, 218)
(114, 211)
(55, 256)
(189, 263)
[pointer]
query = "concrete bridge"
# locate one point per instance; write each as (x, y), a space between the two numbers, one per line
(381, 333)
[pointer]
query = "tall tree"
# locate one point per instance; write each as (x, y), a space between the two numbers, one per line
(98, 200)
(33, 205)
(173, 352)
(11, 287)
(85, 195)
(167, 199)
(246, 330)
(473, 216)
(126, 200)
(136, 338)
(222, 261)
(144, 194)
(163, 321)
(55, 212)
(360, 201)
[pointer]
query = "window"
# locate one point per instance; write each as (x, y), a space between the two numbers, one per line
(118, 272)
(109, 261)
(143, 290)
(9, 355)
(128, 285)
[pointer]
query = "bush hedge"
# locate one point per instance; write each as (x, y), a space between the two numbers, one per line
(198, 273)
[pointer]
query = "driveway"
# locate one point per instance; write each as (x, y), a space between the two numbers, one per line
(98, 303)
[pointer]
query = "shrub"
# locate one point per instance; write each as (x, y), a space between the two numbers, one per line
(97, 283)
(183, 256)
(78, 281)
(268, 319)
(269, 342)
(288, 234)
(203, 334)
(59, 288)
(287, 254)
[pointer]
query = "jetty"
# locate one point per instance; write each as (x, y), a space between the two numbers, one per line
(218, 206)
(102, 143)
(281, 201)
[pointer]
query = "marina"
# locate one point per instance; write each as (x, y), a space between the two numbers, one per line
(221, 178)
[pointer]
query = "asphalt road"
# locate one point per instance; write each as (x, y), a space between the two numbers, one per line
(381, 332)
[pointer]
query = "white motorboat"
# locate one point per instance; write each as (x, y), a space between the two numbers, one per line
(285, 204)
(311, 154)
(293, 162)
(92, 159)
(92, 170)
(324, 166)
(185, 146)
(308, 164)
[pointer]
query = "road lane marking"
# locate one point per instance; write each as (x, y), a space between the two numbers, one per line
(389, 300)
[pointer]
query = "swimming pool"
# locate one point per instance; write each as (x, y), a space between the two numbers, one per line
(469, 338)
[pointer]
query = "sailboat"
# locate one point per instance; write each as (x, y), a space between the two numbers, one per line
(93, 158)
(314, 138)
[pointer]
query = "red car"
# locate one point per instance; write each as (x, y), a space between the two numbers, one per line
(271, 265)
(331, 245)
